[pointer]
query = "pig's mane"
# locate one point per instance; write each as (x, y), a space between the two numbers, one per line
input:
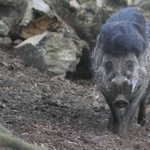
(124, 32)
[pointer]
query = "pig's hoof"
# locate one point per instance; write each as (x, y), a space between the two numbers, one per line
(123, 134)
(113, 128)
(141, 121)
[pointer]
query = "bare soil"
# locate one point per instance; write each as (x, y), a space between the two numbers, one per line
(57, 113)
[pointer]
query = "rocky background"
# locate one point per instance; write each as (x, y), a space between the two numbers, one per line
(57, 36)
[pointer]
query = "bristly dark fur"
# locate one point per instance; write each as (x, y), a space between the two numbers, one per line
(124, 32)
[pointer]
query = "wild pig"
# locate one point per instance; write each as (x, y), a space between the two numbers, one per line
(121, 67)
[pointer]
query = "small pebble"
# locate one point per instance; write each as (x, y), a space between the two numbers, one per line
(18, 41)
(4, 100)
(96, 114)
(138, 125)
(97, 138)
(67, 119)
(96, 104)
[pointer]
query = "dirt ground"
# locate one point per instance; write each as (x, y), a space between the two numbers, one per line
(57, 113)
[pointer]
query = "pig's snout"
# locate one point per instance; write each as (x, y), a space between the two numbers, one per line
(120, 102)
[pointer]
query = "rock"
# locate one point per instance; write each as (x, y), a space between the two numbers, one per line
(5, 40)
(17, 42)
(97, 138)
(37, 19)
(144, 7)
(29, 15)
(4, 29)
(96, 114)
(96, 104)
(38, 26)
(133, 2)
(100, 105)
(138, 125)
(74, 4)
(10, 14)
(11, 3)
(67, 119)
(5, 100)
(51, 52)
(99, 3)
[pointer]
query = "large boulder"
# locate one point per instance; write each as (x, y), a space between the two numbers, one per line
(52, 52)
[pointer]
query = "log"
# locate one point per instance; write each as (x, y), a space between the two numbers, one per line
(8, 140)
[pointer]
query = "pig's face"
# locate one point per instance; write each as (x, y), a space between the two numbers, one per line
(122, 77)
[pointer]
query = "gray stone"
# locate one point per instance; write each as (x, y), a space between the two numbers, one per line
(133, 2)
(74, 4)
(51, 52)
(11, 3)
(5, 40)
(4, 29)
(96, 104)
(39, 5)
(99, 3)
(97, 138)
(17, 42)
(11, 12)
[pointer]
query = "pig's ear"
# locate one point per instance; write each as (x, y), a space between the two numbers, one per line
(141, 46)
(98, 42)
(96, 56)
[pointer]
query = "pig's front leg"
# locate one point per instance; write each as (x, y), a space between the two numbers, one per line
(142, 112)
(127, 118)
(113, 124)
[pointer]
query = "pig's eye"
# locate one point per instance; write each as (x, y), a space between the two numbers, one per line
(109, 66)
(129, 65)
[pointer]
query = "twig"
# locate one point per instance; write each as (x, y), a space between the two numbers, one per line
(51, 145)
(3, 63)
